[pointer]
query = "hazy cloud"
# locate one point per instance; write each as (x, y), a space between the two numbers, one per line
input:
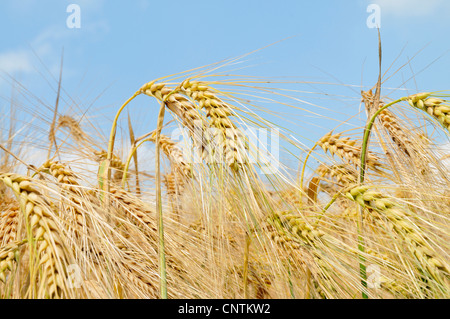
(411, 8)
(16, 61)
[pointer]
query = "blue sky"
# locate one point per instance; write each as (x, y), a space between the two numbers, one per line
(124, 44)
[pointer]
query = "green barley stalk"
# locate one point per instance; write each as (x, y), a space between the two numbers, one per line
(162, 256)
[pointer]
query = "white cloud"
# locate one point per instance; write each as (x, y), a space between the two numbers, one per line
(22, 60)
(16, 61)
(47, 43)
(51, 33)
(411, 8)
(44, 46)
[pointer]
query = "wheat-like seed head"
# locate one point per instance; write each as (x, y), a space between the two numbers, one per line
(292, 227)
(116, 162)
(185, 110)
(51, 249)
(9, 220)
(403, 226)
(343, 174)
(77, 133)
(73, 126)
(68, 182)
(390, 122)
(174, 154)
(394, 287)
(230, 139)
(438, 108)
(175, 101)
(174, 184)
(7, 257)
(219, 113)
(216, 109)
(347, 150)
(294, 233)
(137, 209)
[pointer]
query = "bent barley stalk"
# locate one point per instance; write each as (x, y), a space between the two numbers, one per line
(389, 121)
(416, 100)
(178, 104)
(218, 111)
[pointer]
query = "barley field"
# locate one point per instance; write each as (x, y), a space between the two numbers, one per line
(371, 220)
(202, 206)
